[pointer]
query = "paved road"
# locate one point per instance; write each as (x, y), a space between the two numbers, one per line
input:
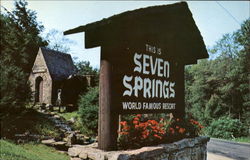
(217, 149)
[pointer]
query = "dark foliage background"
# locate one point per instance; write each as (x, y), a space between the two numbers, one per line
(220, 87)
(20, 39)
(88, 110)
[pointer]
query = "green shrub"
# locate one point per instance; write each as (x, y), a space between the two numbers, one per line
(227, 128)
(88, 110)
(28, 120)
(14, 89)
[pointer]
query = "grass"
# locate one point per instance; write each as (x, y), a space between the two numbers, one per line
(28, 120)
(69, 115)
(77, 125)
(11, 151)
(242, 139)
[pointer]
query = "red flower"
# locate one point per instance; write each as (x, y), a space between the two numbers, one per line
(126, 128)
(162, 131)
(171, 130)
(145, 134)
(153, 127)
(157, 136)
(177, 127)
(123, 133)
(201, 126)
(182, 130)
(136, 119)
(135, 122)
(123, 123)
(138, 115)
(153, 122)
(143, 125)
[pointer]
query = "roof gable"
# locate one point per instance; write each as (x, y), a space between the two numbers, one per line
(39, 65)
(170, 26)
(60, 65)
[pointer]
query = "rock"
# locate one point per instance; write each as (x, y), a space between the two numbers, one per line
(61, 146)
(56, 116)
(20, 141)
(95, 155)
(77, 132)
(64, 131)
(65, 139)
(116, 156)
(93, 145)
(92, 154)
(43, 106)
(52, 113)
(49, 107)
(74, 151)
(48, 142)
(87, 138)
(180, 150)
(75, 158)
(63, 152)
(71, 139)
(83, 155)
(80, 139)
(72, 120)
(60, 137)
(60, 143)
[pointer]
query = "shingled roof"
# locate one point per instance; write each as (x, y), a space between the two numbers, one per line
(171, 26)
(60, 65)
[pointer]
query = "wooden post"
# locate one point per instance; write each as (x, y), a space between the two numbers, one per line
(108, 121)
(180, 112)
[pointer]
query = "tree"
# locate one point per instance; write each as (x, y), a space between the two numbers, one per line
(57, 41)
(242, 38)
(88, 110)
(84, 68)
(220, 87)
(20, 39)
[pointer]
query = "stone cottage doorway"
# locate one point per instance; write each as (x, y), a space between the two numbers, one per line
(39, 89)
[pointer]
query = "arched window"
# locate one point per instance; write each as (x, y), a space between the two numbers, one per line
(39, 89)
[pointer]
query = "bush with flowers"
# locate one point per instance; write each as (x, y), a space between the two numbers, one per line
(141, 131)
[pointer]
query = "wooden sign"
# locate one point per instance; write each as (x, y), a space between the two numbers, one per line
(143, 54)
(146, 80)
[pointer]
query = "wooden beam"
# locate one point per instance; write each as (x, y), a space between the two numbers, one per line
(108, 121)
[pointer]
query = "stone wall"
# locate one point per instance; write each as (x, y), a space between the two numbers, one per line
(186, 149)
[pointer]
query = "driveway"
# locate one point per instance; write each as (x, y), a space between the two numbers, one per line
(227, 150)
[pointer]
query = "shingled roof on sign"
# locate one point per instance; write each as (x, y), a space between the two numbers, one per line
(171, 26)
(60, 65)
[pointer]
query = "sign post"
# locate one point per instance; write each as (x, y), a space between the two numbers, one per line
(143, 55)
(108, 120)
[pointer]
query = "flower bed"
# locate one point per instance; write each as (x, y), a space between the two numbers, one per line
(141, 131)
(144, 137)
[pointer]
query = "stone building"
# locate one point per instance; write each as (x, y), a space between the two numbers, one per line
(51, 68)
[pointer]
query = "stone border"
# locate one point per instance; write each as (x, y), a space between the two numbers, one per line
(188, 149)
